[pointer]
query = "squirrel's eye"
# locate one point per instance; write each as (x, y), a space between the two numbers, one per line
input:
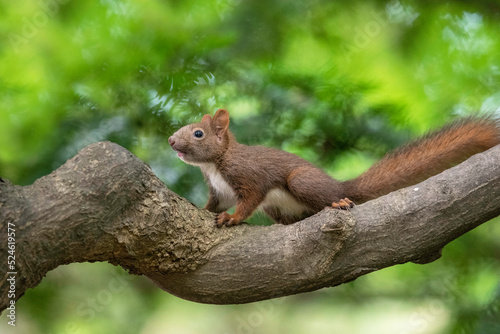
(198, 133)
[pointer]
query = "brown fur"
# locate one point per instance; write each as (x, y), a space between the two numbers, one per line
(289, 188)
(425, 157)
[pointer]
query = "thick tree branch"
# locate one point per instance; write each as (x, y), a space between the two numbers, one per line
(106, 205)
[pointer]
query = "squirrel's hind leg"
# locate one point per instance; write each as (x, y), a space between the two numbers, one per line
(316, 189)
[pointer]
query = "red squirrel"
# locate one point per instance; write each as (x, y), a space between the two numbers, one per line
(289, 188)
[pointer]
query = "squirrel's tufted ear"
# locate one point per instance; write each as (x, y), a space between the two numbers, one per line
(206, 119)
(221, 123)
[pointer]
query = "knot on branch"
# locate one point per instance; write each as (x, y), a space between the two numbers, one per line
(321, 245)
(337, 222)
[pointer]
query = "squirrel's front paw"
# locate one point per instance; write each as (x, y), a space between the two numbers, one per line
(343, 204)
(226, 219)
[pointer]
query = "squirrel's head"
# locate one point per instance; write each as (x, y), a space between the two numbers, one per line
(202, 142)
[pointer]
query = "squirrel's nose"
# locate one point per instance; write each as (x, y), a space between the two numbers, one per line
(171, 140)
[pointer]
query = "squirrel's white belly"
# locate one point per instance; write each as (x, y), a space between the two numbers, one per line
(275, 198)
(278, 198)
(225, 193)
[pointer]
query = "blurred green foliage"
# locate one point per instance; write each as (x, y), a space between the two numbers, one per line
(337, 83)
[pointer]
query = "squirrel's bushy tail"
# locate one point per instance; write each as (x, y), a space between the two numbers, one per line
(425, 157)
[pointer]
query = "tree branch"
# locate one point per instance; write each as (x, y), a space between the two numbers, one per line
(104, 204)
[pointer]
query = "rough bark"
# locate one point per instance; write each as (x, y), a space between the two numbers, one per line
(106, 205)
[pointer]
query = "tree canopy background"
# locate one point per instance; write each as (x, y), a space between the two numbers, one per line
(337, 83)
